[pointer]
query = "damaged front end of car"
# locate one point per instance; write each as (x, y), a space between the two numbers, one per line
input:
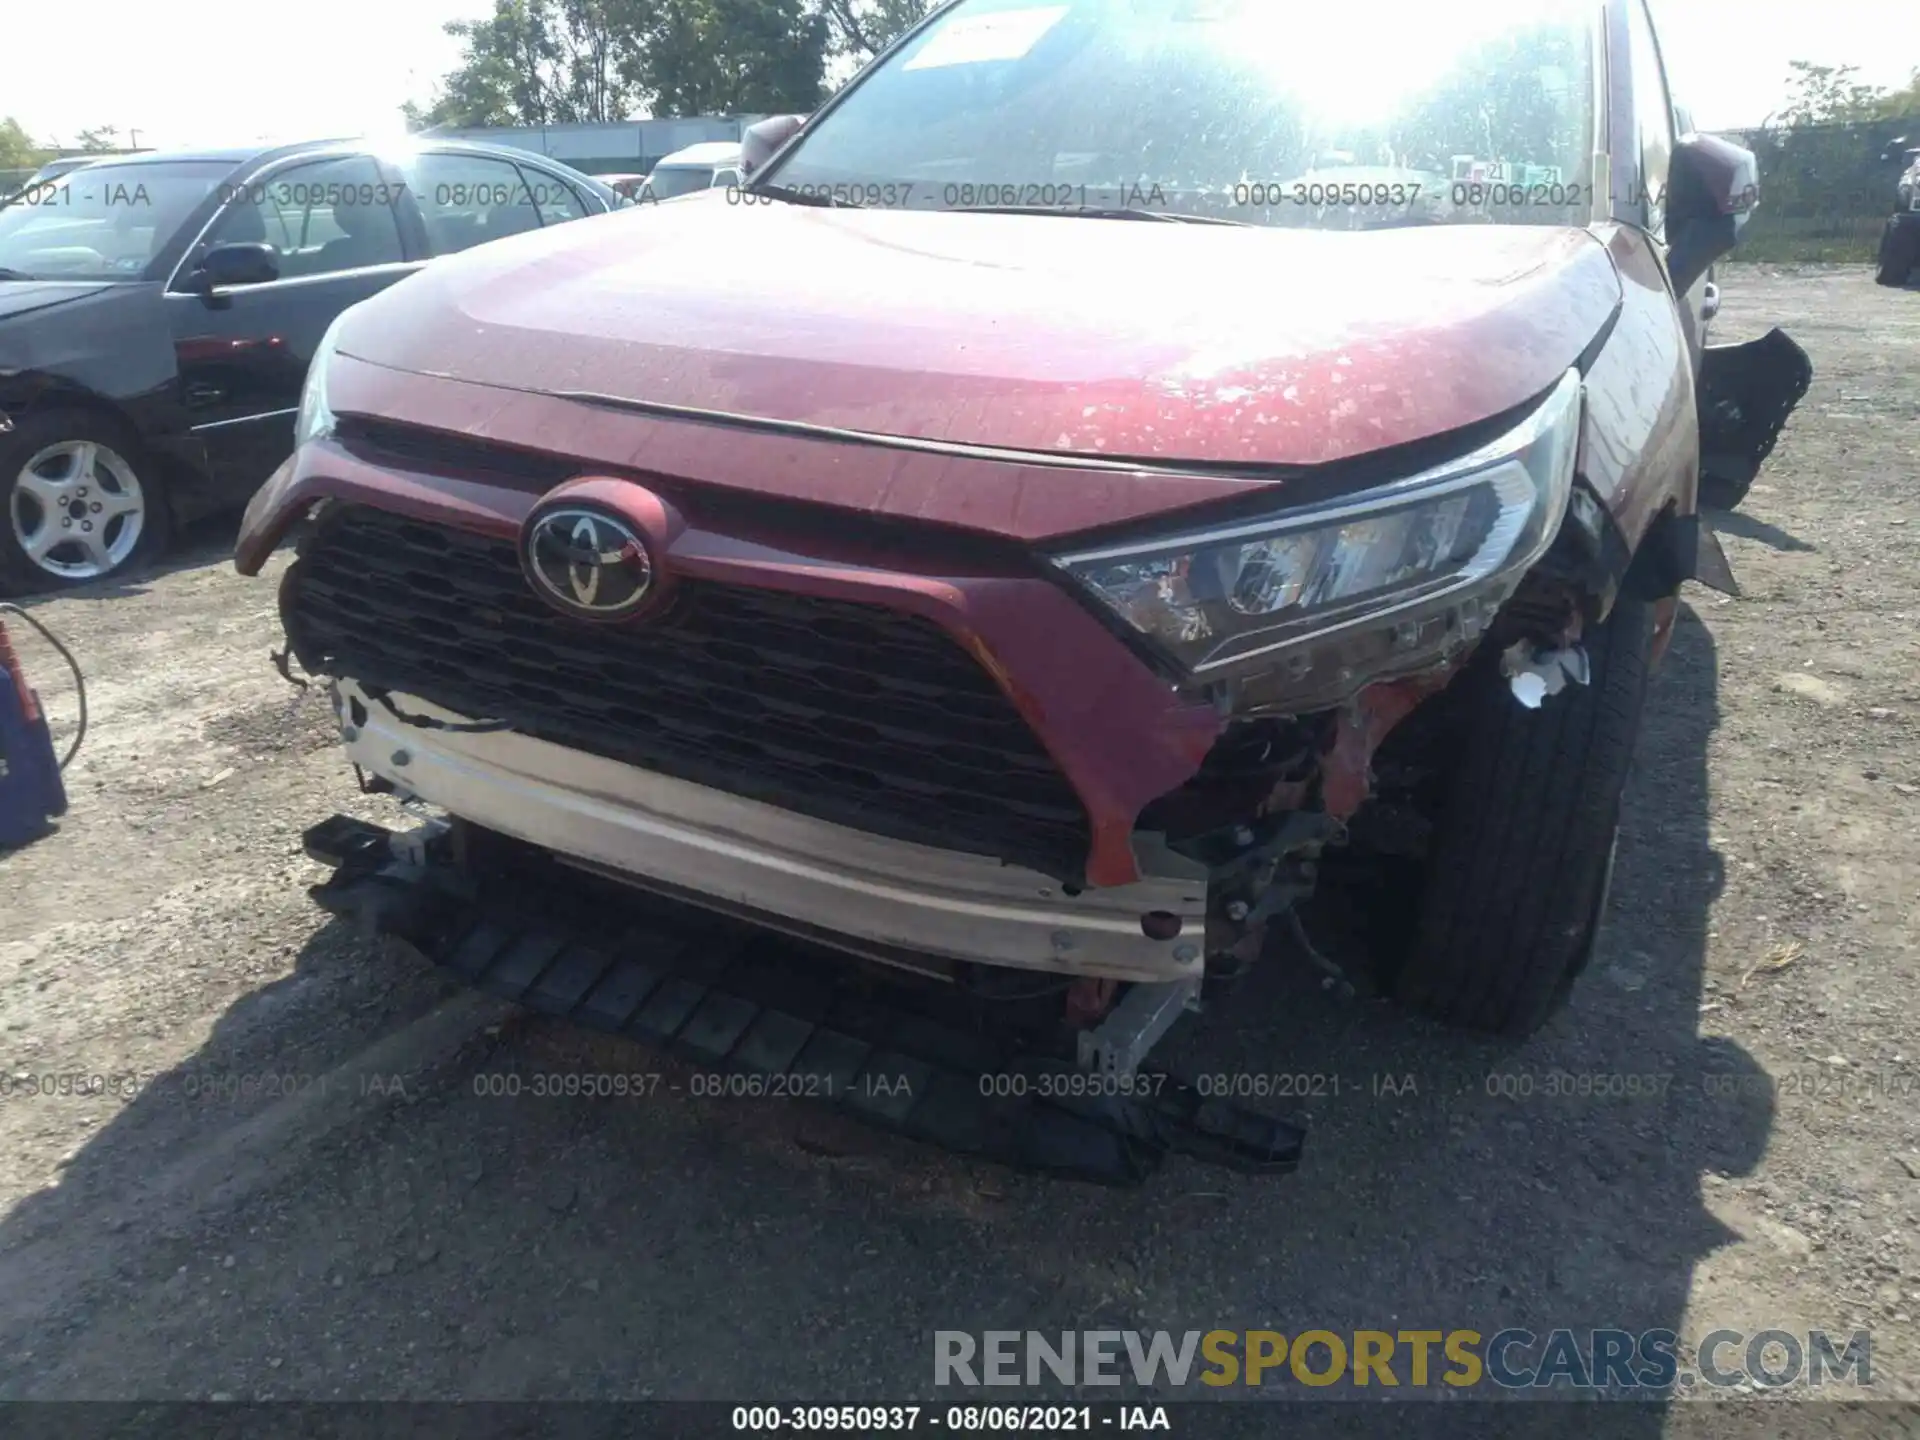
(952, 837)
(1317, 632)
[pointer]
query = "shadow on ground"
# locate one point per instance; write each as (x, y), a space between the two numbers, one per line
(1736, 522)
(448, 1241)
(202, 543)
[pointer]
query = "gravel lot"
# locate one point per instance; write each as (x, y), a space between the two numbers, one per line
(386, 1232)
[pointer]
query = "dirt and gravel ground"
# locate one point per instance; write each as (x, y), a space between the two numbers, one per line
(384, 1231)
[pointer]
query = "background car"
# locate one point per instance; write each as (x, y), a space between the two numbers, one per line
(698, 167)
(54, 169)
(158, 311)
(1900, 241)
(626, 186)
(65, 165)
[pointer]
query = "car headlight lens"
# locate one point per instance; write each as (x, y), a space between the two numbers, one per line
(1215, 599)
(315, 418)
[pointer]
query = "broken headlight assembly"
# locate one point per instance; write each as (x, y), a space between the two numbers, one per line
(1467, 530)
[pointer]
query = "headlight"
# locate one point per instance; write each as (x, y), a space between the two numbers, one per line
(315, 418)
(1216, 598)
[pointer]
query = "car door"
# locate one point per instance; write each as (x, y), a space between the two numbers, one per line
(466, 199)
(463, 198)
(242, 351)
(556, 198)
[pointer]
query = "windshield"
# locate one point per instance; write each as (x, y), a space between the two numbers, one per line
(54, 169)
(104, 222)
(1265, 111)
(668, 181)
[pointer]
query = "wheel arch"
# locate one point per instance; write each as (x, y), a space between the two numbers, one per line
(179, 459)
(34, 394)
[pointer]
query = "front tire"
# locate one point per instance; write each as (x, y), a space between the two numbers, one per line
(80, 501)
(1521, 858)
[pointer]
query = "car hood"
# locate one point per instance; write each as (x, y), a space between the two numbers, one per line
(1115, 339)
(23, 297)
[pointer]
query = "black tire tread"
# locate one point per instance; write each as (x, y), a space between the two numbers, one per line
(1897, 246)
(1522, 845)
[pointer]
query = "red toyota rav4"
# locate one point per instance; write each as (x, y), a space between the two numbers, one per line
(1015, 530)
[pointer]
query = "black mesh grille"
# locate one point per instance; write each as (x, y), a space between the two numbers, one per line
(414, 447)
(857, 714)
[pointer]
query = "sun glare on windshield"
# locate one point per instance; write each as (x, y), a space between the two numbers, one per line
(1357, 69)
(1386, 111)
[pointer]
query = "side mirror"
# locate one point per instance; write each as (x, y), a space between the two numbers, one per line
(1712, 189)
(761, 140)
(1896, 149)
(251, 263)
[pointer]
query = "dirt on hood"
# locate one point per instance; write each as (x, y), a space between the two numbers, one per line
(1056, 333)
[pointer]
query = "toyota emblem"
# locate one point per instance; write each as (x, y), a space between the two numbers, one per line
(587, 562)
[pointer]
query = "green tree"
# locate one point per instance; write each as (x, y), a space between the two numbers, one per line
(539, 62)
(1898, 104)
(1825, 94)
(1821, 155)
(96, 142)
(729, 57)
(861, 29)
(17, 148)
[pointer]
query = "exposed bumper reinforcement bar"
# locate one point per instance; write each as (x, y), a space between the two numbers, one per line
(770, 865)
(800, 1019)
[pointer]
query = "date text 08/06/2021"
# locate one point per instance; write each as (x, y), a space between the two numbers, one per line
(958, 1419)
(206, 1087)
(1491, 194)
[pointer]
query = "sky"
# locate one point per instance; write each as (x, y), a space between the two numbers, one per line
(233, 72)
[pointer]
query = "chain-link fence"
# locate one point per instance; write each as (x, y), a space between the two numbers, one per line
(1825, 190)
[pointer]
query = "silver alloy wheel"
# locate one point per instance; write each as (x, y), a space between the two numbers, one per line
(77, 509)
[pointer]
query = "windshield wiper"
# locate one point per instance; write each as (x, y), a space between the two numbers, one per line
(1095, 212)
(805, 197)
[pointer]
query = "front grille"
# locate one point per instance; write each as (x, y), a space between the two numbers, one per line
(852, 713)
(415, 447)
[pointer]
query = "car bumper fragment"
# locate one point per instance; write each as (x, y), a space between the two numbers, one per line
(1746, 393)
(764, 863)
(788, 1017)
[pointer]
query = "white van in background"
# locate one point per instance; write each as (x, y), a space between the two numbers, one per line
(698, 167)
